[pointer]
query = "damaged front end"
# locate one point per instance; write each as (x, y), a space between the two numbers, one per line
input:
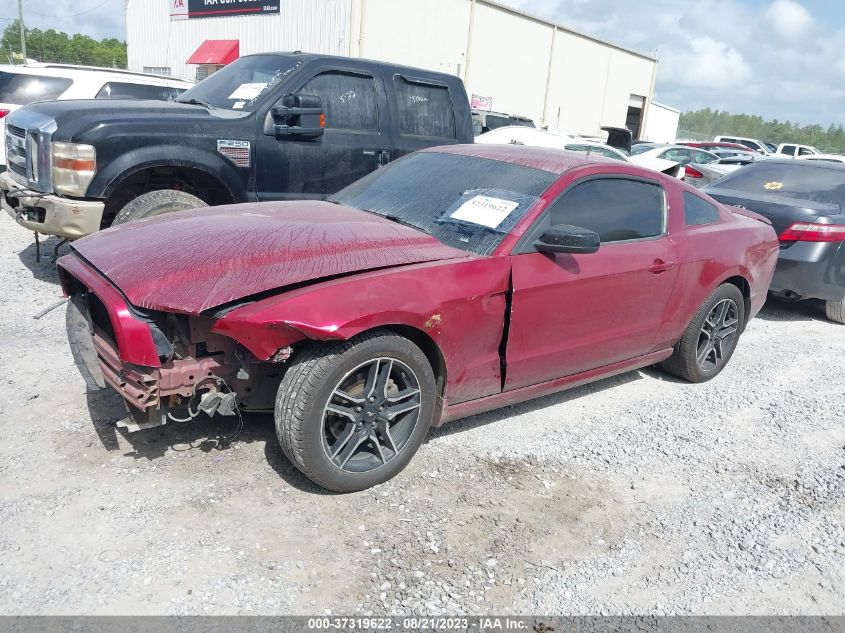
(167, 366)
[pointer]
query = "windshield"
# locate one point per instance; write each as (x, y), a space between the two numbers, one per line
(21, 89)
(640, 148)
(794, 180)
(466, 202)
(771, 147)
(242, 84)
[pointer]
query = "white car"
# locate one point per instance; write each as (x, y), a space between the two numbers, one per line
(539, 138)
(793, 150)
(36, 81)
(752, 143)
(831, 158)
(646, 154)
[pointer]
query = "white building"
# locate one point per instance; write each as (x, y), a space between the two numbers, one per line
(513, 62)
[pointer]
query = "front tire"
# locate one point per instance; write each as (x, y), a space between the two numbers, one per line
(351, 414)
(711, 337)
(155, 203)
(835, 310)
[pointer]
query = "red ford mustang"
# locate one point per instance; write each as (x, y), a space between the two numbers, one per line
(453, 281)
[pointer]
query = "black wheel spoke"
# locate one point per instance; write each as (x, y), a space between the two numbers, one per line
(342, 440)
(352, 445)
(384, 431)
(343, 411)
(349, 398)
(398, 409)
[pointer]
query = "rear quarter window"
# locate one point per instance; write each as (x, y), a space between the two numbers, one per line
(698, 211)
(425, 109)
(20, 89)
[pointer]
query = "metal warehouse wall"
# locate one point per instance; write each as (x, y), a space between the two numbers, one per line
(154, 40)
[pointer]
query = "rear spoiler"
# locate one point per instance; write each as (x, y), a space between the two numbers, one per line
(748, 213)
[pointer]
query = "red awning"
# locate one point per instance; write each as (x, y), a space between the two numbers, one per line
(220, 52)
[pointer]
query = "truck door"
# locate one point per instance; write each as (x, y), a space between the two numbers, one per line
(355, 141)
(425, 113)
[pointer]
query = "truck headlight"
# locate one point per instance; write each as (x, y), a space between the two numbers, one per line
(74, 166)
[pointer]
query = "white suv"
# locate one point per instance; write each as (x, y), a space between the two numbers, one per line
(20, 85)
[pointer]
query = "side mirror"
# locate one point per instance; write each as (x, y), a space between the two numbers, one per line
(563, 238)
(299, 116)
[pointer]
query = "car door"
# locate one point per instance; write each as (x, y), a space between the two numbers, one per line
(575, 312)
(355, 142)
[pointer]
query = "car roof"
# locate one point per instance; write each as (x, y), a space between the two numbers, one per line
(550, 159)
(809, 164)
(66, 70)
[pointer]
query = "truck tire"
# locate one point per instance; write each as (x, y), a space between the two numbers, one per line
(712, 334)
(835, 310)
(351, 414)
(157, 203)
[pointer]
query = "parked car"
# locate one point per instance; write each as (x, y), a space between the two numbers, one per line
(484, 121)
(35, 81)
(830, 158)
(804, 200)
(598, 149)
(753, 143)
(794, 150)
(712, 146)
(271, 126)
(456, 280)
(699, 175)
(680, 155)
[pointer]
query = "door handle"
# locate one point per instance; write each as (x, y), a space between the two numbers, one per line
(659, 266)
(382, 155)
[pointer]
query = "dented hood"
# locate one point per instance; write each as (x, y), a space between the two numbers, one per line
(191, 261)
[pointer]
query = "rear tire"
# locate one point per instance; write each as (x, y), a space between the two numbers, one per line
(155, 203)
(351, 414)
(711, 337)
(835, 310)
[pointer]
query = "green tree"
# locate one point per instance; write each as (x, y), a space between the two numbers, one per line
(58, 47)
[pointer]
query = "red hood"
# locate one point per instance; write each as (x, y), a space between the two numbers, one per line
(195, 260)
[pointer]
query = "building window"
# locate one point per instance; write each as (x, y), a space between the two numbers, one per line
(157, 70)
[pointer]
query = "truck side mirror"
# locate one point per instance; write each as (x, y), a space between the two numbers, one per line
(297, 116)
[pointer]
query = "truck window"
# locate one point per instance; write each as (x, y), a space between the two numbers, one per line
(20, 89)
(424, 109)
(121, 90)
(349, 100)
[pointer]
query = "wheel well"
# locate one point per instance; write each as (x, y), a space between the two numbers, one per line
(745, 288)
(188, 179)
(429, 348)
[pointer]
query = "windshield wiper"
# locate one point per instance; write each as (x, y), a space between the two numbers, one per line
(398, 220)
(193, 101)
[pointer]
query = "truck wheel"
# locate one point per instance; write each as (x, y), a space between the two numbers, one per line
(351, 414)
(711, 337)
(156, 203)
(835, 310)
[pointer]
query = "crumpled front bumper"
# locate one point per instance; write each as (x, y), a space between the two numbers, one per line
(49, 214)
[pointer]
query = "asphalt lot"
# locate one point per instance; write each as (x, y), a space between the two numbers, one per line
(639, 494)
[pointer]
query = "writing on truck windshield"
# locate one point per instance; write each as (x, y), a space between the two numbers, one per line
(243, 83)
(466, 202)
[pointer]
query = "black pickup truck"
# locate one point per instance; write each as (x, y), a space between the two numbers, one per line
(271, 126)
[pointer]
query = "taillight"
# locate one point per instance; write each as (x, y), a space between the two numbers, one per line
(692, 172)
(3, 113)
(809, 232)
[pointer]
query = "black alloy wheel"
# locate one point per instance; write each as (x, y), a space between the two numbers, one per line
(371, 415)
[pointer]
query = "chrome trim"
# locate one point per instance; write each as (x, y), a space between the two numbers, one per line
(39, 129)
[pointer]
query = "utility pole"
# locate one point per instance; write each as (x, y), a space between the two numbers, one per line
(23, 30)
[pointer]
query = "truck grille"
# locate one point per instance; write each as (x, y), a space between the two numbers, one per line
(16, 149)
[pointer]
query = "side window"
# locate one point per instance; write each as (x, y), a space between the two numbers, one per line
(702, 158)
(682, 156)
(349, 100)
(698, 211)
(123, 90)
(803, 151)
(788, 149)
(615, 208)
(425, 109)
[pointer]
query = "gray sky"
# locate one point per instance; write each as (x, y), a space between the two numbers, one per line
(777, 58)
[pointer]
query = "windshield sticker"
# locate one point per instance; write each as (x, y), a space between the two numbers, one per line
(485, 211)
(248, 91)
(773, 185)
(239, 105)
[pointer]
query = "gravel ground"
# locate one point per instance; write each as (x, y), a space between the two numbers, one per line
(638, 494)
